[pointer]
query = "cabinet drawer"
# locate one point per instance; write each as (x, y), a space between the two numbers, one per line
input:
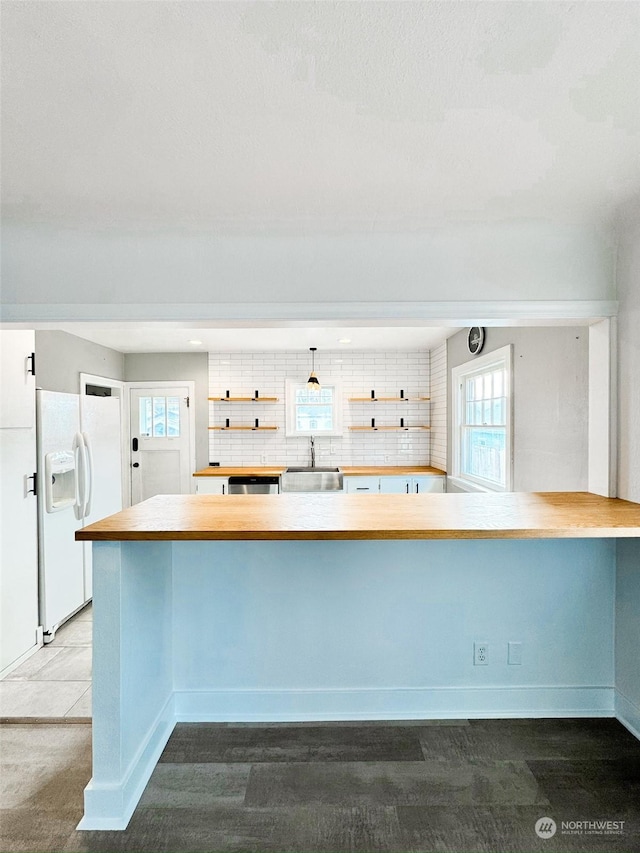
(361, 485)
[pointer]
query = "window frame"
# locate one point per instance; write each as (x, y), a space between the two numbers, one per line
(499, 358)
(292, 385)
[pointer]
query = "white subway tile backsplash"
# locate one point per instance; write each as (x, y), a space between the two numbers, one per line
(360, 373)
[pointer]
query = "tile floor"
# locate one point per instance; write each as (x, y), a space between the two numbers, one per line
(478, 785)
(56, 680)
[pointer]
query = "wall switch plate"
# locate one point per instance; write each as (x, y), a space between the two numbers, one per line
(514, 653)
(263, 458)
(480, 654)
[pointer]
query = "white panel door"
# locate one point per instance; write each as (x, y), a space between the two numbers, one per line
(160, 442)
(17, 383)
(18, 545)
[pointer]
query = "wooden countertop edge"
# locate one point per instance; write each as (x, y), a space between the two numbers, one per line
(550, 515)
(359, 535)
(347, 470)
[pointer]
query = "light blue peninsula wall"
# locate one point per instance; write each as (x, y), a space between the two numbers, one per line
(313, 630)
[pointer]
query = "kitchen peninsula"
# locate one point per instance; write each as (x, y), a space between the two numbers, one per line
(321, 607)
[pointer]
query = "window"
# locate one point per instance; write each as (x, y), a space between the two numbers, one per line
(311, 412)
(160, 417)
(482, 404)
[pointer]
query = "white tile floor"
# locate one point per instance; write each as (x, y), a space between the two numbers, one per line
(56, 680)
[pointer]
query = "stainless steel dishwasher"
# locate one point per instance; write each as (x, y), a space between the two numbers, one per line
(254, 485)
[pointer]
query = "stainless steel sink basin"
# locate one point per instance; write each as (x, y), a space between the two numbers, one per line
(312, 480)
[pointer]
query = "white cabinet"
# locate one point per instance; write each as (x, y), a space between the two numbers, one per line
(19, 520)
(212, 485)
(361, 485)
(395, 485)
(18, 384)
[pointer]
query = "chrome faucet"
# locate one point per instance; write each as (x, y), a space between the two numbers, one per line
(312, 447)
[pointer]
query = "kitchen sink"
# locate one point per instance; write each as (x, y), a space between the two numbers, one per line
(312, 480)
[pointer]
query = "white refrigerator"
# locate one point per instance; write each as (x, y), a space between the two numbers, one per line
(79, 481)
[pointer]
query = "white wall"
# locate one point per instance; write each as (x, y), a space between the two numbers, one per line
(61, 358)
(551, 383)
(628, 553)
(48, 266)
(629, 364)
(387, 373)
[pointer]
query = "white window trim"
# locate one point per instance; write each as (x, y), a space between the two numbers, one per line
(290, 424)
(479, 365)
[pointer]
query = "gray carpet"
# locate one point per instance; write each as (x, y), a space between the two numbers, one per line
(419, 786)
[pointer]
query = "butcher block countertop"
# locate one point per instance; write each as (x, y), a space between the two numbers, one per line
(515, 515)
(347, 470)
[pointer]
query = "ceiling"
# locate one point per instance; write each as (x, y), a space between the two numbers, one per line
(314, 118)
(317, 116)
(167, 337)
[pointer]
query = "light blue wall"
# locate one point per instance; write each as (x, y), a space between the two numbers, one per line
(375, 628)
(627, 648)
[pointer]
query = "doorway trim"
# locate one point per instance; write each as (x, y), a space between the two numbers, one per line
(156, 383)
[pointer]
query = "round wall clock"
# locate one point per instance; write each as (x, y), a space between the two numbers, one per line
(475, 339)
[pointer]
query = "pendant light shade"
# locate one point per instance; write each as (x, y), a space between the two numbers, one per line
(312, 381)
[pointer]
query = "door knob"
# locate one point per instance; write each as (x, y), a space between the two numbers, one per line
(136, 465)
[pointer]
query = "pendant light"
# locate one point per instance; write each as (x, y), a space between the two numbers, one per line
(312, 381)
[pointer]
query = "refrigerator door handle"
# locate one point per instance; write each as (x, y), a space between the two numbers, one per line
(79, 456)
(88, 475)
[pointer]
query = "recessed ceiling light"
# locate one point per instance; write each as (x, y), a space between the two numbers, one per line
(195, 343)
(344, 340)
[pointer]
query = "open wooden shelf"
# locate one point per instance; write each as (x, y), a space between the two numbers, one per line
(252, 428)
(387, 428)
(388, 399)
(243, 399)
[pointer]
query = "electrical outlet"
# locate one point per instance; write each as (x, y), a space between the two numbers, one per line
(480, 654)
(263, 458)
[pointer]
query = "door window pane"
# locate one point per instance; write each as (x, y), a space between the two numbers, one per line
(145, 416)
(173, 417)
(160, 417)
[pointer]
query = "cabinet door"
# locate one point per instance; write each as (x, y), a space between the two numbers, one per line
(361, 485)
(18, 545)
(395, 485)
(18, 394)
(212, 485)
(421, 485)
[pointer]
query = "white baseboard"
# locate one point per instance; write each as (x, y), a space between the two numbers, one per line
(628, 713)
(23, 657)
(398, 704)
(110, 806)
